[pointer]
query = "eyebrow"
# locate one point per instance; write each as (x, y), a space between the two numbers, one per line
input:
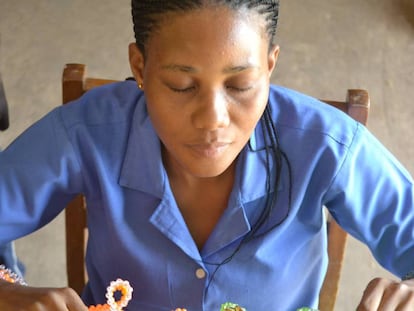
(227, 70)
(177, 67)
(236, 69)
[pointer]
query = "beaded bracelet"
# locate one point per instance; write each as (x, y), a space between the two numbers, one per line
(9, 276)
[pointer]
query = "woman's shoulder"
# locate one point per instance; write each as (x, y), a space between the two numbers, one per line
(111, 103)
(295, 111)
(291, 102)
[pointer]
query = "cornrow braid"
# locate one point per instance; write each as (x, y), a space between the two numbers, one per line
(146, 14)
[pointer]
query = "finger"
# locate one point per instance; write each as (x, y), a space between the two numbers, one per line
(62, 299)
(397, 297)
(17, 297)
(372, 296)
(72, 299)
(407, 305)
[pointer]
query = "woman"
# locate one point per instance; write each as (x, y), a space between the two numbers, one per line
(205, 184)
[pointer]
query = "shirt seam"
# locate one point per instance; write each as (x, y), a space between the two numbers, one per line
(321, 132)
(66, 130)
(345, 157)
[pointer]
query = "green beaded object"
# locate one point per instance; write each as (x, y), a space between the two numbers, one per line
(228, 306)
(307, 309)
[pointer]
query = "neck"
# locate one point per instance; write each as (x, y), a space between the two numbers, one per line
(177, 174)
(201, 200)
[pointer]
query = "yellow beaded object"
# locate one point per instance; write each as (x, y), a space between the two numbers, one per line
(111, 305)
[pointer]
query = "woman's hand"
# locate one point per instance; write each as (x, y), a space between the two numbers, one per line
(387, 295)
(17, 297)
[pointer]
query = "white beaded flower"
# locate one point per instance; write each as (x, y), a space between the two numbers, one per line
(126, 294)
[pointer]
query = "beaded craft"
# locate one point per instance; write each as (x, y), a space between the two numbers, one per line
(228, 306)
(8, 276)
(121, 286)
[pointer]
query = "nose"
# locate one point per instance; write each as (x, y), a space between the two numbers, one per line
(211, 112)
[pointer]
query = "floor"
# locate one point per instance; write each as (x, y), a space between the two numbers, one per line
(327, 46)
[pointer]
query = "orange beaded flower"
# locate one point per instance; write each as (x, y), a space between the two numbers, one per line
(121, 286)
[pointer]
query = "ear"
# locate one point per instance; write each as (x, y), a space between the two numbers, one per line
(272, 59)
(136, 62)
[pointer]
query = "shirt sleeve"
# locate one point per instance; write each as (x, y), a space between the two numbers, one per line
(39, 175)
(372, 198)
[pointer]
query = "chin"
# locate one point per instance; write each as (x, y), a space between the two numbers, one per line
(210, 171)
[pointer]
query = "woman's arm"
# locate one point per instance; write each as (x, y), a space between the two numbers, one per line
(372, 198)
(39, 174)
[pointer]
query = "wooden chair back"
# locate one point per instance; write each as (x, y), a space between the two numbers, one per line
(75, 83)
(4, 112)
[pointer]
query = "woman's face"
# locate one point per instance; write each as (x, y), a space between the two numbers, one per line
(206, 80)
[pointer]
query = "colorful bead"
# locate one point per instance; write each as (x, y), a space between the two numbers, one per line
(229, 306)
(8, 276)
(100, 308)
(116, 286)
(111, 305)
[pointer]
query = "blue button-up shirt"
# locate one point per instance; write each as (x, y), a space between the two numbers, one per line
(104, 146)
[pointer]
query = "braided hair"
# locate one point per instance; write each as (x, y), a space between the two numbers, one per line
(147, 15)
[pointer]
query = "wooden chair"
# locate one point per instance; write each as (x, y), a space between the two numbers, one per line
(75, 83)
(4, 113)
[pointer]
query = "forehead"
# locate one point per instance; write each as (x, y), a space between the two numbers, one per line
(211, 28)
(214, 9)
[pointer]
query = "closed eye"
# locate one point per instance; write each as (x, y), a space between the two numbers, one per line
(240, 89)
(182, 90)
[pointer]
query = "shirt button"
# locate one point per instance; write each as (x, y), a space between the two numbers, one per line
(200, 273)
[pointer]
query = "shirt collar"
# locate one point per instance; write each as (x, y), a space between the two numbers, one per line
(142, 168)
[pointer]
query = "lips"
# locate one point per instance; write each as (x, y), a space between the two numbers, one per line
(209, 150)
